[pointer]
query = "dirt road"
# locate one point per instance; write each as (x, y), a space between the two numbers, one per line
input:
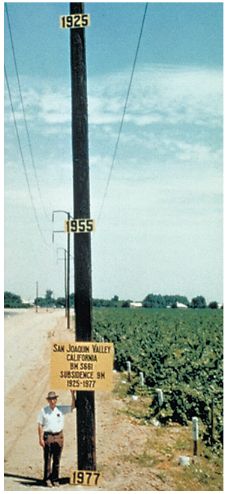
(119, 439)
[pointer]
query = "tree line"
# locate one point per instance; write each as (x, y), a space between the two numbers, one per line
(152, 301)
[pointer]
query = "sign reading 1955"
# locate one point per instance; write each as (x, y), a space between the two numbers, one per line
(74, 21)
(83, 225)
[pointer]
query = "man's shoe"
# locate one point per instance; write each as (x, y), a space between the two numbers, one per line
(55, 483)
(49, 483)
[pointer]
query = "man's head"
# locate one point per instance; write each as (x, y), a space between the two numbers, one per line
(52, 399)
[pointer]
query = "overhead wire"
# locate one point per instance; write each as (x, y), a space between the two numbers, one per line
(22, 158)
(24, 114)
(123, 115)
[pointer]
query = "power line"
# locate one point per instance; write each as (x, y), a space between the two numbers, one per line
(23, 110)
(124, 112)
(22, 158)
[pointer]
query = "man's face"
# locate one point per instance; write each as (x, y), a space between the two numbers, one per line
(52, 402)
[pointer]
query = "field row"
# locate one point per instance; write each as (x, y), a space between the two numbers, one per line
(178, 351)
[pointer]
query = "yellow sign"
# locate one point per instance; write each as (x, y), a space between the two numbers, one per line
(82, 225)
(74, 21)
(83, 366)
(84, 477)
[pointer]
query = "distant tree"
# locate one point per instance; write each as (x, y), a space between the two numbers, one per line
(154, 301)
(72, 300)
(40, 301)
(126, 303)
(198, 302)
(60, 302)
(100, 302)
(47, 301)
(162, 301)
(173, 299)
(11, 300)
(48, 298)
(213, 305)
(114, 302)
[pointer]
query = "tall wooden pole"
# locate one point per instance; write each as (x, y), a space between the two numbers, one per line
(82, 244)
(68, 278)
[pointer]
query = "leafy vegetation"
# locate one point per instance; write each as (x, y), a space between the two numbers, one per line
(162, 301)
(47, 301)
(150, 301)
(13, 301)
(179, 352)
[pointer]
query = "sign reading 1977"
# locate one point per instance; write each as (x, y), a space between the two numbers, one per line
(74, 21)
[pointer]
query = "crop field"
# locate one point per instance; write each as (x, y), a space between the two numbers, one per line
(178, 351)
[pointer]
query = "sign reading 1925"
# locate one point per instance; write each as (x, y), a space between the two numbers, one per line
(83, 225)
(74, 21)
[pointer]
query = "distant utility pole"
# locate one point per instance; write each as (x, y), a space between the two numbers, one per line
(82, 241)
(68, 265)
(65, 275)
(37, 287)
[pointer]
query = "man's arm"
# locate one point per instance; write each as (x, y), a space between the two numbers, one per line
(73, 399)
(40, 435)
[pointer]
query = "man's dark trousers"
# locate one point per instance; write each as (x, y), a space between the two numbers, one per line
(52, 451)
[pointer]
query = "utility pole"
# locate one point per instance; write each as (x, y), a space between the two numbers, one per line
(36, 296)
(65, 275)
(82, 242)
(68, 264)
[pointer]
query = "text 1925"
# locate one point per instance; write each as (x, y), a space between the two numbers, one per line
(74, 21)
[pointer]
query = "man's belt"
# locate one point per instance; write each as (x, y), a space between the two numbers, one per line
(52, 433)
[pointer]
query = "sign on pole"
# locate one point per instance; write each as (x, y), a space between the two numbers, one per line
(82, 366)
(74, 21)
(83, 477)
(80, 225)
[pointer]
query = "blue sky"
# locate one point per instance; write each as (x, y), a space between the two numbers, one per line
(160, 230)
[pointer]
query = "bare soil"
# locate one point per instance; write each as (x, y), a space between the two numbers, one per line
(130, 456)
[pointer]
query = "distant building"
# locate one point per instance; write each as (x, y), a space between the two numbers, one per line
(29, 302)
(179, 305)
(135, 305)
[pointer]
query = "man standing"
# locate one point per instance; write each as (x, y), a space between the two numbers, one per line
(50, 432)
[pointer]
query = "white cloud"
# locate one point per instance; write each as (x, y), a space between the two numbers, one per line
(167, 95)
(54, 108)
(160, 94)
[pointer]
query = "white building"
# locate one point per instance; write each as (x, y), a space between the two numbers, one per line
(181, 306)
(136, 305)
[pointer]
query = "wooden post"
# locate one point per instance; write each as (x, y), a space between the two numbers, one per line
(212, 422)
(141, 378)
(68, 278)
(160, 396)
(195, 435)
(128, 370)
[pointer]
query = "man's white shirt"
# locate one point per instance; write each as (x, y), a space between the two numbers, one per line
(53, 420)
